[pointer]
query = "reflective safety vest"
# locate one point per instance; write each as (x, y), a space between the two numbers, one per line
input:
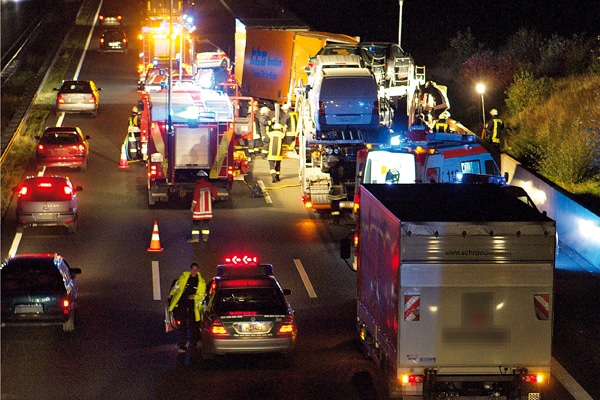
(275, 139)
(178, 289)
(204, 194)
(495, 126)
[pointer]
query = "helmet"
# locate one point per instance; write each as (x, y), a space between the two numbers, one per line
(277, 127)
(494, 112)
(134, 109)
(445, 115)
(202, 174)
(286, 106)
(264, 110)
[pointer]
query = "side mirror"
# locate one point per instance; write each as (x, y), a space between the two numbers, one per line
(287, 292)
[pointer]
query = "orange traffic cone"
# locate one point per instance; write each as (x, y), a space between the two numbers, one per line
(155, 241)
(123, 163)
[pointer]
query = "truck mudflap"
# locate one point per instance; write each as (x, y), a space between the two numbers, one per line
(517, 384)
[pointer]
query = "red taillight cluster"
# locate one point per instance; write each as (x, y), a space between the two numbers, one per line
(533, 378)
(23, 192)
(92, 99)
(60, 99)
(288, 325)
(217, 328)
(66, 305)
(412, 379)
(321, 108)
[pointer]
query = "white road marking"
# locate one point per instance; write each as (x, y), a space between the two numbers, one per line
(305, 280)
(568, 381)
(155, 281)
(262, 186)
(15, 244)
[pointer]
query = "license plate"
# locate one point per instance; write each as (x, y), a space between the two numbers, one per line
(114, 44)
(253, 327)
(46, 217)
(29, 309)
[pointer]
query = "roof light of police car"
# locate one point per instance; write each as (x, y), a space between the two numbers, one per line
(395, 141)
(239, 260)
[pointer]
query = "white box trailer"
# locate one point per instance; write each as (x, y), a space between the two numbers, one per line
(455, 290)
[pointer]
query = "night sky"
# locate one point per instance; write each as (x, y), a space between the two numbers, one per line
(429, 24)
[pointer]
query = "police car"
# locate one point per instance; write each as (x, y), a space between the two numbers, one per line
(246, 311)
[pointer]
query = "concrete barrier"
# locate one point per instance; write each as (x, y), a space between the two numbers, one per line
(578, 228)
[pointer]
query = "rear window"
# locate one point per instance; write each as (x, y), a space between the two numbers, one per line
(76, 88)
(30, 274)
(60, 138)
(46, 190)
(264, 300)
(348, 87)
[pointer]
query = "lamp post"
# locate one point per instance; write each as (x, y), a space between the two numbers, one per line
(481, 89)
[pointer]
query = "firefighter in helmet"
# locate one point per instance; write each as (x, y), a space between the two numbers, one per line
(264, 122)
(204, 194)
(273, 142)
(133, 134)
(494, 128)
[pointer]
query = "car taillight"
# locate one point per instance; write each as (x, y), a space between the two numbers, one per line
(40, 148)
(67, 190)
(60, 99)
(124, 41)
(92, 99)
(80, 149)
(230, 173)
(23, 192)
(287, 326)
(66, 305)
(533, 378)
(412, 379)
(101, 41)
(217, 328)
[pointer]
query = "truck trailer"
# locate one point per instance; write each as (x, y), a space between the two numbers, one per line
(455, 290)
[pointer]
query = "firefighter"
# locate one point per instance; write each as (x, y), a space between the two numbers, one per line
(204, 194)
(254, 143)
(336, 193)
(494, 128)
(441, 125)
(264, 122)
(273, 143)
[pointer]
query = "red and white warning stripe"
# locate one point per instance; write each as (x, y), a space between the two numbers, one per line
(542, 306)
(412, 307)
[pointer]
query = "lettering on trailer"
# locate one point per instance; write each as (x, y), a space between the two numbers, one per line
(542, 306)
(412, 307)
(260, 58)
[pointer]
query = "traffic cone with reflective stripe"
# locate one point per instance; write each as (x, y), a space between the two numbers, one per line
(155, 241)
(123, 163)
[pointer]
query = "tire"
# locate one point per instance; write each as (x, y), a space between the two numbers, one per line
(73, 227)
(69, 326)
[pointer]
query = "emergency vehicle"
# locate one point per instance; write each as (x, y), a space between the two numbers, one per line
(205, 126)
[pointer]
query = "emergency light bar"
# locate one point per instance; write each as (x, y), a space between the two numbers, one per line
(243, 265)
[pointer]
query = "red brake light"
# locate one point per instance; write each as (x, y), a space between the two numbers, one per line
(533, 378)
(67, 190)
(23, 191)
(60, 99)
(101, 40)
(217, 328)
(287, 326)
(92, 99)
(412, 379)
(237, 260)
(45, 185)
(321, 108)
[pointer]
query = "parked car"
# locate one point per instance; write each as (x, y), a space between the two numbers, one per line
(62, 146)
(78, 97)
(47, 201)
(246, 311)
(110, 18)
(39, 289)
(209, 55)
(113, 40)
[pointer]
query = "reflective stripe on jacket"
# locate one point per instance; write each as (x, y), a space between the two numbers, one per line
(204, 194)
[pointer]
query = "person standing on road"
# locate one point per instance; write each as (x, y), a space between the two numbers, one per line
(186, 297)
(264, 122)
(273, 145)
(204, 194)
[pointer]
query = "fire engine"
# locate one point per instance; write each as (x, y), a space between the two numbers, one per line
(204, 127)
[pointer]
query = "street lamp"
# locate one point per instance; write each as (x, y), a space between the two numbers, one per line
(481, 89)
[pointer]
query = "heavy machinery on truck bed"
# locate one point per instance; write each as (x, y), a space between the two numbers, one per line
(203, 133)
(455, 290)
